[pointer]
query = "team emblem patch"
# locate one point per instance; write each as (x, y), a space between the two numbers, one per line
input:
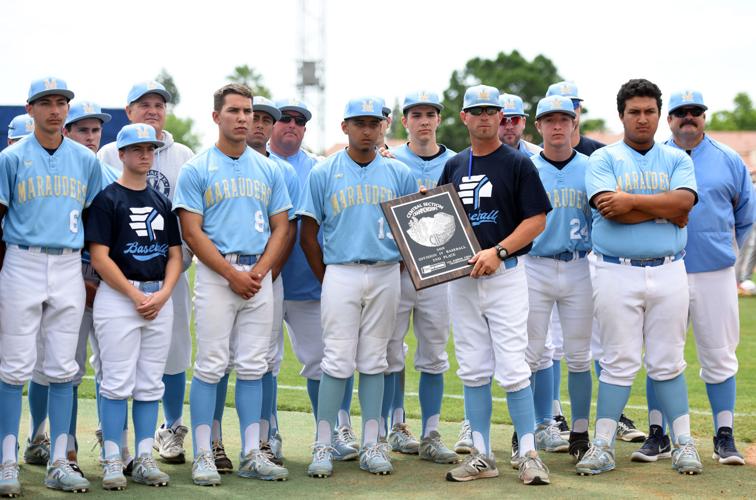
(687, 96)
(368, 106)
(159, 182)
(145, 221)
(51, 83)
(429, 226)
(484, 95)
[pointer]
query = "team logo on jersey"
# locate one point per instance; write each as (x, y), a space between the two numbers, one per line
(146, 221)
(471, 190)
(159, 182)
(27, 163)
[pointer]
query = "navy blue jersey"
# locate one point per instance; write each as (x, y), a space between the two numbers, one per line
(498, 192)
(137, 226)
(586, 145)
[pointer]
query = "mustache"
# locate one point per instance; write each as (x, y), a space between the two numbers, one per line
(688, 122)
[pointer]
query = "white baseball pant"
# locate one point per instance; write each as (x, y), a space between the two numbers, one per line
(180, 352)
(306, 334)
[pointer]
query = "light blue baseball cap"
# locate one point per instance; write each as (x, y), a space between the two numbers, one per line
(294, 104)
(48, 86)
(555, 104)
(82, 110)
(422, 98)
(365, 106)
(260, 103)
(566, 89)
(511, 105)
(150, 87)
(686, 98)
(137, 133)
(481, 96)
(20, 126)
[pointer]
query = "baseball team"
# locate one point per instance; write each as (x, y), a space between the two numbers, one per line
(591, 252)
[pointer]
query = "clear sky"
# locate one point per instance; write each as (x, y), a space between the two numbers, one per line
(101, 47)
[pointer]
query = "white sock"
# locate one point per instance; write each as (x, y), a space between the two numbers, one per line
(606, 428)
(370, 432)
(344, 419)
(145, 447)
(724, 419)
(556, 407)
(251, 437)
(681, 427)
(264, 430)
(398, 416)
(111, 448)
(9, 448)
(431, 424)
(655, 418)
(580, 425)
(324, 432)
(382, 429)
(59, 448)
(527, 443)
(71, 444)
(202, 434)
(216, 431)
(479, 443)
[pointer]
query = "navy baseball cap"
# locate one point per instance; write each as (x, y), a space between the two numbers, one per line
(512, 105)
(566, 89)
(260, 103)
(294, 104)
(82, 110)
(48, 86)
(20, 126)
(365, 106)
(481, 96)
(137, 133)
(686, 98)
(422, 98)
(555, 104)
(150, 87)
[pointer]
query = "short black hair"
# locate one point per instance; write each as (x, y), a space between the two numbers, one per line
(637, 87)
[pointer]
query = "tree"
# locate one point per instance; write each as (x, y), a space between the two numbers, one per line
(743, 117)
(397, 130)
(166, 79)
(510, 73)
(248, 76)
(593, 125)
(180, 128)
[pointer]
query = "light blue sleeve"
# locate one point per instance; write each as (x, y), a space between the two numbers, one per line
(280, 201)
(292, 186)
(94, 183)
(7, 174)
(189, 191)
(599, 176)
(409, 184)
(745, 202)
(311, 196)
(683, 174)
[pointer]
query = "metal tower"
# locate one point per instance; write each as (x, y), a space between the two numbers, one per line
(311, 62)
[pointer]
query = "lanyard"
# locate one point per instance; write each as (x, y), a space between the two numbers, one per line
(469, 165)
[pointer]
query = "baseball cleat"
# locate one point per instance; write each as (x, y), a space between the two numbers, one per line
(60, 476)
(434, 450)
(474, 466)
(37, 452)
(222, 463)
(599, 458)
(268, 452)
(147, 472)
(276, 446)
(627, 431)
(374, 458)
(342, 451)
(548, 438)
(514, 458)
(724, 448)
(532, 469)
(169, 443)
(204, 472)
(113, 477)
(401, 439)
(76, 468)
(656, 446)
(256, 465)
(128, 469)
(561, 422)
(347, 435)
(465, 443)
(322, 461)
(10, 486)
(685, 459)
(579, 445)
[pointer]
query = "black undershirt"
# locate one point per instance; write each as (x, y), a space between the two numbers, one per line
(51, 151)
(642, 151)
(559, 164)
(363, 164)
(441, 150)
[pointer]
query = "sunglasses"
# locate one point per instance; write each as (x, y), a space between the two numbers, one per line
(511, 120)
(299, 120)
(490, 111)
(683, 112)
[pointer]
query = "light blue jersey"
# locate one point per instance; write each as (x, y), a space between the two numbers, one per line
(345, 199)
(298, 280)
(109, 174)
(45, 194)
(236, 198)
(568, 225)
(425, 172)
(291, 180)
(726, 206)
(660, 170)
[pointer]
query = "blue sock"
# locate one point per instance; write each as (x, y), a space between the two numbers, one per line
(98, 400)
(74, 411)
(431, 394)
(371, 394)
(274, 408)
(173, 397)
(672, 396)
(114, 412)
(346, 401)
(653, 403)
(522, 412)
(59, 406)
(721, 398)
(248, 404)
(37, 395)
(556, 371)
(10, 417)
(542, 387)
(478, 408)
(221, 392)
(144, 414)
(330, 396)
(202, 397)
(611, 401)
(398, 397)
(597, 367)
(266, 408)
(388, 398)
(313, 386)
(579, 386)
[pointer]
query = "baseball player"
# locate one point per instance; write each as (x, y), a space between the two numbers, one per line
(507, 205)
(233, 205)
(135, 247)
(358, 265)
(513, 125)
(147, 103)
(47, 181)
(19, 127)
(579, 142)
(641, 193)
(302, 289)
(428, 308)
(558, 276)
(726, 208)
